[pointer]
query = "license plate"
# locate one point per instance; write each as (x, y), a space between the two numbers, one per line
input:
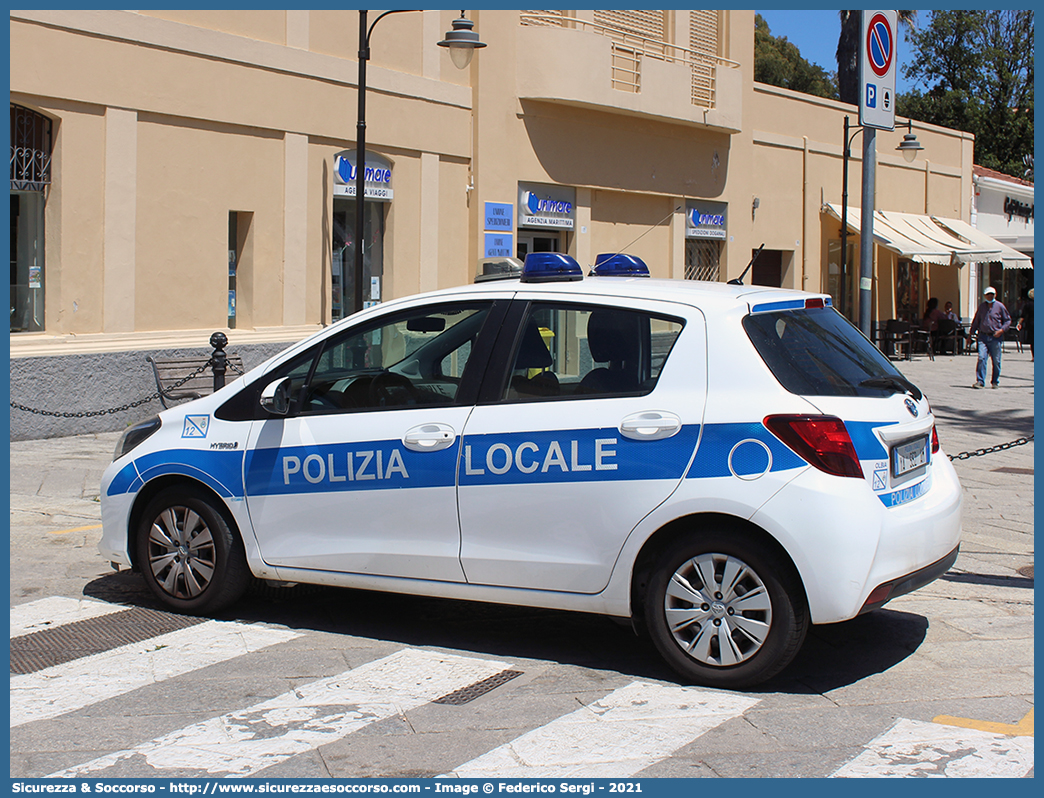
(909, 456)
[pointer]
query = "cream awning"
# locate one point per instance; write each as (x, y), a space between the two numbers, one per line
(1011, 258)
(923, 239)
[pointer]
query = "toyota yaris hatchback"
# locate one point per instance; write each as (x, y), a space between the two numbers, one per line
(723, 465)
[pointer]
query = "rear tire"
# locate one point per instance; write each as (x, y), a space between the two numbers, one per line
(724, 610)
(190, 552)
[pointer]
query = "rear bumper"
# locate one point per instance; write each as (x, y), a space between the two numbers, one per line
(845, 541)
(887, 591)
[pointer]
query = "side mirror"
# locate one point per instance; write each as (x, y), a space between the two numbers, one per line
(275, 398)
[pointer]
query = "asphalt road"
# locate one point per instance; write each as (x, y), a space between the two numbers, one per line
(939, 682)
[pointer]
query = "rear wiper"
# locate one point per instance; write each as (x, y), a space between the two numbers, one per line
(900, 384)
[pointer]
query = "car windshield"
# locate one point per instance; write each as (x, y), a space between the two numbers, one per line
(818, 352)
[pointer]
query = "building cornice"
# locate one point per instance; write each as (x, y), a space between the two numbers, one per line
(140, 29)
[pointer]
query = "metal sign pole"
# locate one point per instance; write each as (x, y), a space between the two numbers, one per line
(866, 230)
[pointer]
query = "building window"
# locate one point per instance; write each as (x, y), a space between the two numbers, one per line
(30, 177)
(30, 150)
(702, 259)
(233, 262)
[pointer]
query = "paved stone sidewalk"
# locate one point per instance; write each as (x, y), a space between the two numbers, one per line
(998, 487)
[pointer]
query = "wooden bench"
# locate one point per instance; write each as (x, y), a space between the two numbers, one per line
(169, 371)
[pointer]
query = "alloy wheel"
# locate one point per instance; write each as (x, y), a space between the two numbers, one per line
(718, 609)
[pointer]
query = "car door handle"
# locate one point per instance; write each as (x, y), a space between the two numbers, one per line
(652, 425)
(429, 437)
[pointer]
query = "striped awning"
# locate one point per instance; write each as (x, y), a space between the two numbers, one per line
(1011, 258)
(926, 239)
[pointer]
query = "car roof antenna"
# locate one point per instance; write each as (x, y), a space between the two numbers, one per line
(739, 280)
(652, 227)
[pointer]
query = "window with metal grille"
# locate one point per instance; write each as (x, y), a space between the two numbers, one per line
(30, 150)
(702, 260)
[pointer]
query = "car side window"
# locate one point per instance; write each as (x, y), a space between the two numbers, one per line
(413, 359)
(583, 351)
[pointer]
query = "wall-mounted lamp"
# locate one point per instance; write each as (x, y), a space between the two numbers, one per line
(910, 146)
(754, 207)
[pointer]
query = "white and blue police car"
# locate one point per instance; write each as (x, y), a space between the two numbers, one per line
(723, 465)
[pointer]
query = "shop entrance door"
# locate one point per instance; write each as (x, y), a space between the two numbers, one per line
(342, 279)
(537, 242)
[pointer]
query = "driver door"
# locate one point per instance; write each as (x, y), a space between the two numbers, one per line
(359, 477)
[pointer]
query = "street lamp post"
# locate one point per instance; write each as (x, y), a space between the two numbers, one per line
(909, 147)
(462, 42)
(846, 154)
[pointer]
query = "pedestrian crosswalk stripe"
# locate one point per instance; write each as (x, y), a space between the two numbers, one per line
(620, 735)
(245, 742)
(916, 748)
(628, 730)
(54, 611)
(74, 685)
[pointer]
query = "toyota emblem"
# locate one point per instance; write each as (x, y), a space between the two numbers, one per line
(911, 406)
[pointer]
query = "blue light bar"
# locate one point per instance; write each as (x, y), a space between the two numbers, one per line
(619, 265)
(548, 267)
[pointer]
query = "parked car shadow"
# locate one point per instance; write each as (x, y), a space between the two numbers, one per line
(833, 656)
(840, 654)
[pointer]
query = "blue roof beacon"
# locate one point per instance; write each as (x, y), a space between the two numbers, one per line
(619, 265)
(550, 267)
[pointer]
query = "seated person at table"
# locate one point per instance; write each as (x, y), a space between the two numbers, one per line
(932, 315)
(950, 313)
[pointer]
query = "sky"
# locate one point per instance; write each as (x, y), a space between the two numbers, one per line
(815, 34)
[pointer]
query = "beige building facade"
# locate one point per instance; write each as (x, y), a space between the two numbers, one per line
(191, 171)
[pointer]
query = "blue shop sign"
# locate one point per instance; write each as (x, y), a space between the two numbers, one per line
(377, 175)
(499, 216)
(498, 245)
(546, 206)
(705, 219)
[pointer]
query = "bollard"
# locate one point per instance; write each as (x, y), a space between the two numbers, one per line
(219, 360)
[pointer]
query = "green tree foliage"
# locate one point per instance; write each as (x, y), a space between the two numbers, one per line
(978, 66)
(778, 62)
(847, 55)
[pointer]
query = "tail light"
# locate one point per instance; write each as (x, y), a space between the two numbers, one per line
(822, 441)
(935, 440)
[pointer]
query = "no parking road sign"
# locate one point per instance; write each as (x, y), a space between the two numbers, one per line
(877, 70)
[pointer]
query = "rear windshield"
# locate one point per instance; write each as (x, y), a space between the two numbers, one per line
(817, 352)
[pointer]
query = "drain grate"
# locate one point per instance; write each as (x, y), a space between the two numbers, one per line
(48, 647)
(473, 691)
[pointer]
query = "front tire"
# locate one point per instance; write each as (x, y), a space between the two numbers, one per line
(189, 553)
(724, 610)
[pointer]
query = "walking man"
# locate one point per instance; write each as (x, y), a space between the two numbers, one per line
(991, 321)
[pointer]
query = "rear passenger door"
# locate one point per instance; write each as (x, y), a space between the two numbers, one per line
(587, 420)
